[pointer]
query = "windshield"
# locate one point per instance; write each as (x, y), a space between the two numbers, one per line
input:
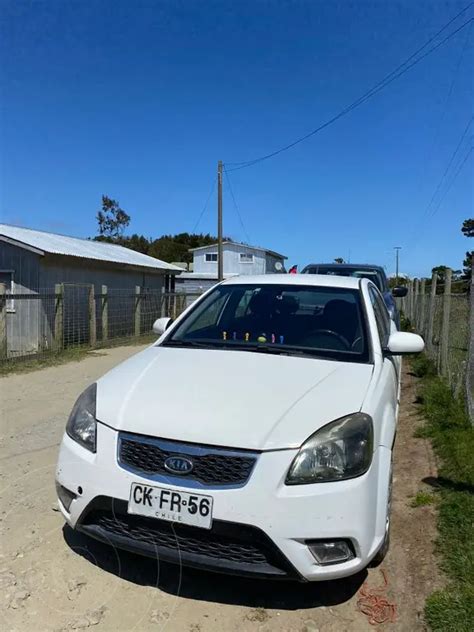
(374, 275)
(284, 319)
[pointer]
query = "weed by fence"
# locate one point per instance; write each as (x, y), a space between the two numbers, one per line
(74, 315)
(445, 319)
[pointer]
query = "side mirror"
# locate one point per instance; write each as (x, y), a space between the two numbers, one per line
(161, 325)
(399, 292)
(401, 342)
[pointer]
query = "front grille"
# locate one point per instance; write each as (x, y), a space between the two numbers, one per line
(195, 541)
(211, 466)
(226, 547)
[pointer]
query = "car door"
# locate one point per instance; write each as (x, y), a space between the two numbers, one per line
(385, 391)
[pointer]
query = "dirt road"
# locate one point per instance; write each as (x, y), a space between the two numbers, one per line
(54, 579)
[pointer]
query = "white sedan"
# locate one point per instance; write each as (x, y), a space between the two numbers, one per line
(254, 437)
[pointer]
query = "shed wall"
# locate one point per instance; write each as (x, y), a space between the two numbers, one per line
(24, 326)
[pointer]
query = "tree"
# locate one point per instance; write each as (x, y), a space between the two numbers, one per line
(176, 247)
(468, 227)
(112, 220)
(440, 272)
(339, 260)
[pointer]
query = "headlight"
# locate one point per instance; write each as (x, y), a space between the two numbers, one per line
(81, 425)
(342, 449)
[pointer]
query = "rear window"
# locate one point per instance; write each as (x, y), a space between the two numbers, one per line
(373, 275)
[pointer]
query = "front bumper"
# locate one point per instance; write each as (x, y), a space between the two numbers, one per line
(265, 515)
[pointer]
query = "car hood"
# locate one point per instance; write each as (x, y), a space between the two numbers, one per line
(234, 398)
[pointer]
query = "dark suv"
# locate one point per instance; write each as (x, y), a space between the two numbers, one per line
(363, 271)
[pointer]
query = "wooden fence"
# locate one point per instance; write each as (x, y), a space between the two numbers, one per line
(73, 315)
(443, 313)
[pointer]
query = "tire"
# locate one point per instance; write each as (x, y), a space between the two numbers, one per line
(382, 552)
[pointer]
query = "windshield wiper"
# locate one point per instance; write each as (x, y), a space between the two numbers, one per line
(187, 343)
(255, 347)
(263, 348)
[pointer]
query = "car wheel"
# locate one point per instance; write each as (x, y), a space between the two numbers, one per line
(382, 552)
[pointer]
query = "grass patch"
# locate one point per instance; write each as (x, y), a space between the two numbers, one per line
(421, 366)
(452, 437)
(422, 498)
(451, 611)
(27, 364)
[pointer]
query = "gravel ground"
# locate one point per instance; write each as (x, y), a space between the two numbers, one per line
(54, 579)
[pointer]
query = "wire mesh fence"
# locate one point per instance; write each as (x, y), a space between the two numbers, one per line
(441, 313)
(75, 315)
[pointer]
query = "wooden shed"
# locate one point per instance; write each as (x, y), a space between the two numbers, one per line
(32, 265)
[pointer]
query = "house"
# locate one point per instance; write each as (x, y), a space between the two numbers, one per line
(33, 263)
(238, 259)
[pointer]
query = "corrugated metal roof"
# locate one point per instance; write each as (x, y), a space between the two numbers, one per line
(209, 276)
(83, 248)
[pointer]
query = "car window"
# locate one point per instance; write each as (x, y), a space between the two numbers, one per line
(381, 315)
(351, 271)
(285, 318)
(210, 316)
(243, 304)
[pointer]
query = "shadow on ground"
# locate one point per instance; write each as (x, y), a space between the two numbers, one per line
(439, 482)
(203, 586)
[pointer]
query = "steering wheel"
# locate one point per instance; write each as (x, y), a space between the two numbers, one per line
(335, 334)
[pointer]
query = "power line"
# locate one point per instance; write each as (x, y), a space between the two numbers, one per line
(388, 79)
(445, 173)
(205, 205)
(236, 206)
(452, 181)
(448, 95)
(428, 212)
(451, 160)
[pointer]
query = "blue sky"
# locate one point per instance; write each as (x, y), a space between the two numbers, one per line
(139, 100)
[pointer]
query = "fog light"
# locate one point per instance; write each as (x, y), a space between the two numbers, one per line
(65, 496)
(331, 552)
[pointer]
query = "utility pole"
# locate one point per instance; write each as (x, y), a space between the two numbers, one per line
(220, 260)
(397, 250)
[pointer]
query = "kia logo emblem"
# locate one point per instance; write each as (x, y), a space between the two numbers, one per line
(178, 465)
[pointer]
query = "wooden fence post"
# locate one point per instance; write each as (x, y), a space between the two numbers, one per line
(444, 340)
(410, 300)
(58, 316)
(92, 317)
(416, 301)
(104, 313)
(138, 310)
(470, 350)
(431, 313)
(162, 302)
(421, 324)
(3, 321)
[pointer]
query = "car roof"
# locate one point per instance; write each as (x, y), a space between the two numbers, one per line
(321, 280)
(353, 266)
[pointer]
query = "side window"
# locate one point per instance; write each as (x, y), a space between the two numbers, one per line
(381, 315)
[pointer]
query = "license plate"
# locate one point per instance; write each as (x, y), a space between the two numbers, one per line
(171, 505)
